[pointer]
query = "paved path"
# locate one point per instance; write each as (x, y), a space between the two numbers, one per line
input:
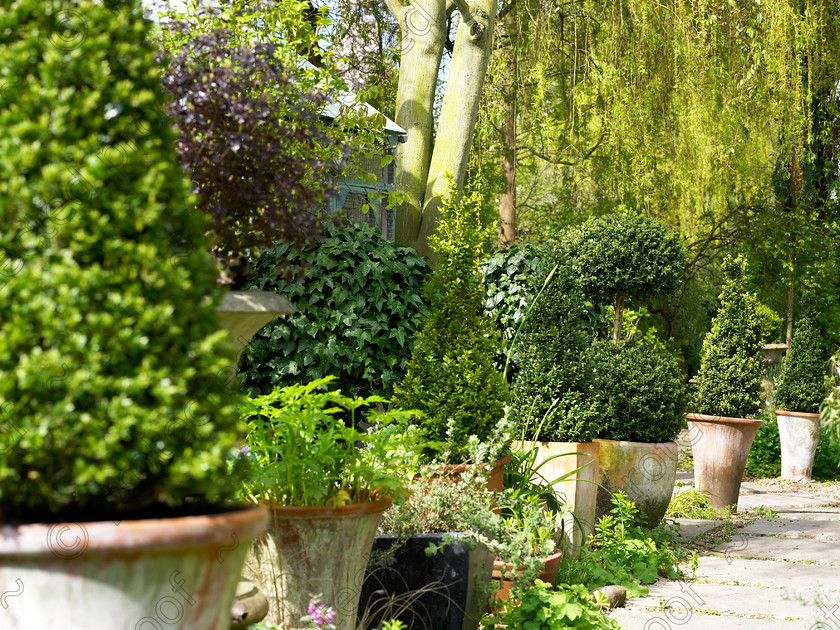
(776, 573)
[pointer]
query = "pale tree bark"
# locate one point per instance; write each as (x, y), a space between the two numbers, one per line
(423, 166)
(507, 200)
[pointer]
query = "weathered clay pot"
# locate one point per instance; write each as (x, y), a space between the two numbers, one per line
(579, 490)
(646, 472)
(719, 447)
(174, 573)
(314, 550)
(495, 482)
(502, 573)
(799, 434)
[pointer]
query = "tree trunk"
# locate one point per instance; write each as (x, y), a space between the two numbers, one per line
(422, 27)
(422, 49)
(789, 334)
(507, 201)
(619, 316)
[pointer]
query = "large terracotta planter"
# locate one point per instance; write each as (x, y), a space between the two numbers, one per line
(719, 447)
(579, 491)
(174, 573)
(435, 591)
(502, 573)
(646, 472)
(314, 551)
(799, 434)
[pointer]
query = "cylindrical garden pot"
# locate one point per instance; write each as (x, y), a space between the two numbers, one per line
(154, 574)
(436, 591)
(719, 448)
(311, 551)
(646, 472)
(503, 573)
(557, 460)
(799, 434)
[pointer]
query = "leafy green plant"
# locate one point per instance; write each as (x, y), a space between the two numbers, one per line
(694, 504)
(731, 364)
(771, 323)
(114, 397)
(301, 453)
(802, 383)
(451, 378)
(625, 257)
(622, 552)
(546, 607)
(359, 306)
(638, 390)
(827, 458)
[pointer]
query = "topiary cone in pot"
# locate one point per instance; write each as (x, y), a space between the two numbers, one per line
(116, 503)
(800, 390)
(728, 385)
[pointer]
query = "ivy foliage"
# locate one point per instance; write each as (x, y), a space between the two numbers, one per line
(359, 307)
(638, 390)
(113, 397)
(731, 363)
(802, 383)
(451, 378)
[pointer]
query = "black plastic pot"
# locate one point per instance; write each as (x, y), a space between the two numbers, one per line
(425, 592)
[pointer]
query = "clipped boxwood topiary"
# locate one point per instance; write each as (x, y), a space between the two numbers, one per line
(549, 396)
(113, 362)
(801, 385)
(359, 305)
(450, 377)
(623, 257)
(638, 389)
(731, 363)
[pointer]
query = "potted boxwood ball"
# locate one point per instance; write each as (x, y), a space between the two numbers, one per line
(800, 390)
(636, 388)
(548, 404)
(117, 510)
(727, 394)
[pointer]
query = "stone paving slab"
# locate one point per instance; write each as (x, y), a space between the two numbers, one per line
(775, 548)
(828, 514)
(781, 501)
(835, 510)
(793, 575)
(675, 620)
(690, 527)
(795, 528)
(694, 597)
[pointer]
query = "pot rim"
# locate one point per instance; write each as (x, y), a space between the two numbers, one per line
(459, 468)
(796, 414)
(72, 539)
(327, 512)
(702, 417)
(508, 566)
(604, 440)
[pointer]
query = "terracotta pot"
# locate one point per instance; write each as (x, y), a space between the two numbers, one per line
(646, 472)
(495, 482)
(314, 550)
(435, 591)
(579, 491)
(502, 571)
(173, 573)
(719, 447)
(799, 434)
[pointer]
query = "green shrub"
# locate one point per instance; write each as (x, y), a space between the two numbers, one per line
(731, 363)
(451, 377)
(548, 393)
(114, 364)
(625, 257)
(771, 323)
(359, 306)
(801, 386)
(765, 456)
(638, 391)
(827, 458)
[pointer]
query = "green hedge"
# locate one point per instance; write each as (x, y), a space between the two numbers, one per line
(802, 383)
